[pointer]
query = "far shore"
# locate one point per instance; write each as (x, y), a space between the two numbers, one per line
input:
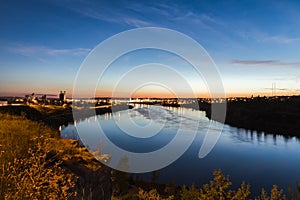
(56, 116)
(272, 116)
(275, 115)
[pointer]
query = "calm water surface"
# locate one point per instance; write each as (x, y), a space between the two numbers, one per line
(260, 159)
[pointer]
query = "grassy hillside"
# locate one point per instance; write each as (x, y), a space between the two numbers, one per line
(36, 164)
(55, 116)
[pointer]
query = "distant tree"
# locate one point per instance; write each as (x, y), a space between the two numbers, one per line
(190, 193)
(276, 194)
(171, 188)
(151, 195)
(219, 189)
(216, 189)
(295, 194)
(120, 182)
(154, 176)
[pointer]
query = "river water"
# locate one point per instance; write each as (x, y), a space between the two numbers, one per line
(256, 158)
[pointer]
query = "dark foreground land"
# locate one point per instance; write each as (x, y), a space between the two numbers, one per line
(35, 163)
(55, 116)
(277, 115)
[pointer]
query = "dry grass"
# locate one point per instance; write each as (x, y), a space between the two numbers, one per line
(30, 167)
(35, 163)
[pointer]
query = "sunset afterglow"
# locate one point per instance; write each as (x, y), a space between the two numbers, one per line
(254, 44)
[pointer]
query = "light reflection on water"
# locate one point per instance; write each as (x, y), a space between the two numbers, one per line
(258, 158)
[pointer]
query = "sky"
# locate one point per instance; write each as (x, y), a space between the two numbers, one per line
(254, 44)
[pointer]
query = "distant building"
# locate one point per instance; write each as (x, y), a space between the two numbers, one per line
(62, 96)
(3, 102)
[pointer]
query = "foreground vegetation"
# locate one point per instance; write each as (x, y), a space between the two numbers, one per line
(217, 189)
(35, 163)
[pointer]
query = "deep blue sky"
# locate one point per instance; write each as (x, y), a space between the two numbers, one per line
(254, 43)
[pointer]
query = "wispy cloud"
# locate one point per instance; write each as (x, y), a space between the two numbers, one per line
(280, 89)
(281, 39)
(284, 78)
(262, 37)
(142, 14)
(265, 63)
(201, 20)
(113, 14)
(137, 22)
(185, 15)
(115, 17)
(31, 50)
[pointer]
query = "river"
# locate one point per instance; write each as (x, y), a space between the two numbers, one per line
(257, 158)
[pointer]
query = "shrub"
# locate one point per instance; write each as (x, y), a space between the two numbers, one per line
(275, 194)
(29, 168)
(151, 195)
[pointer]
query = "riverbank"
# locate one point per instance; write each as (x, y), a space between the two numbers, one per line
(56, 116)
(35, 162)
(33, 131)
(272, 116)
(55, 159)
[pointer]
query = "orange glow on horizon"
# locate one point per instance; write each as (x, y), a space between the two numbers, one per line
(155, 94)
